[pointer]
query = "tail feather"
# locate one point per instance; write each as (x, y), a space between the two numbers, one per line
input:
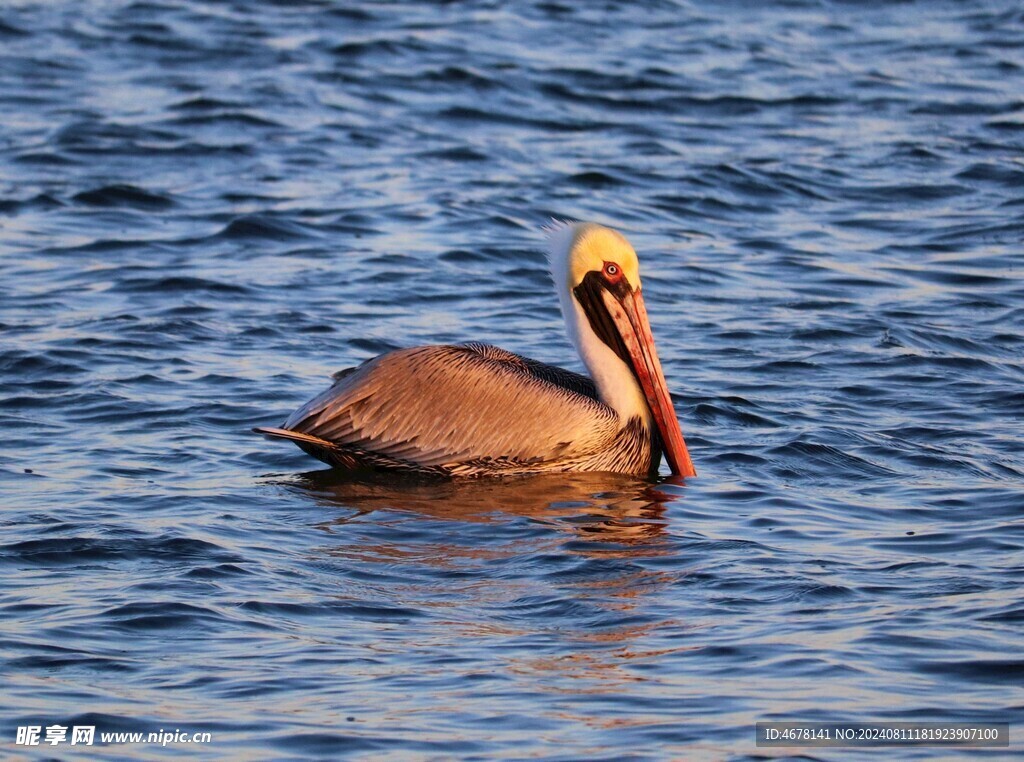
(294, 436)
(322, 449)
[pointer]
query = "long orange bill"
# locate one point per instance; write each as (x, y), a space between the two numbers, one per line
(630, 316)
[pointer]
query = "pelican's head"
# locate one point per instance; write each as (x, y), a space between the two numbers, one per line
(597, 273)
(605, 251)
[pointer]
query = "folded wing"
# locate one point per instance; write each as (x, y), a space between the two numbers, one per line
(441, 406)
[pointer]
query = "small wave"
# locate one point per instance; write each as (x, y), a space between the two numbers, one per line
(993, 173)
(811, 457)
(42, 201)
(595, 179)
(162, 616)
(260, 226)
(475, 115)
(989, 671)
(456, 154)
(223, 119)
(72, 661)
(123, 195)
(206, 103)
(367, 611)
(9, 30)
(63, 551)
(45, 158)
(378, 47)
(178, 284)
(720, 413)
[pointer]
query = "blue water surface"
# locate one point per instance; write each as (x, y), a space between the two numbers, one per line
(208, 207)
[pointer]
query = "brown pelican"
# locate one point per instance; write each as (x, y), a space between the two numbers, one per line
(474, 409)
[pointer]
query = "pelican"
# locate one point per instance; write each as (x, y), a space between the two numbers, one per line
(477, 410)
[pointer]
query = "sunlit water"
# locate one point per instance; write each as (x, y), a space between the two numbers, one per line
(207, 208)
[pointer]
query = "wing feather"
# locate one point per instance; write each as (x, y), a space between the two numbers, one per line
(445, 405)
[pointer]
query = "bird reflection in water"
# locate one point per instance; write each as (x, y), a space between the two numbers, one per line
(602, 508)
(579, 581)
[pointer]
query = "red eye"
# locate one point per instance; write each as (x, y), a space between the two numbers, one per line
(611, 269)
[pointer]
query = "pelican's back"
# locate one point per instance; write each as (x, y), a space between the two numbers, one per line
(454, 409)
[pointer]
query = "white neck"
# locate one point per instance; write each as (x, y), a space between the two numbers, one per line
(616, 385)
